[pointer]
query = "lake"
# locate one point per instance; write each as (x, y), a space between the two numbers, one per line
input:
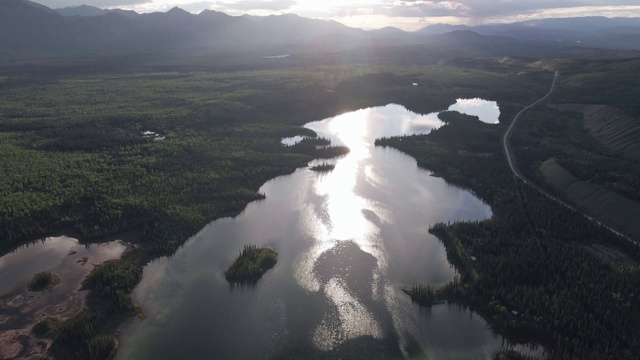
(348, 241)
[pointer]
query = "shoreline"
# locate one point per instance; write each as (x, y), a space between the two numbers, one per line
(26, 308)
(512, 340)
(136, 256)
(129, 236)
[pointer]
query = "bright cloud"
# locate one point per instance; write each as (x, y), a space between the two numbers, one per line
(406, 14)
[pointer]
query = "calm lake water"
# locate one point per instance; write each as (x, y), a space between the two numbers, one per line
(348, 241)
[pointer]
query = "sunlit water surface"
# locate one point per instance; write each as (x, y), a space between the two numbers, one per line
(348, 241)
(487, 111)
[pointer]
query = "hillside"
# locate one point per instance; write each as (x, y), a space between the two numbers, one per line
(595, 199)
(610, 126)
(594, 31)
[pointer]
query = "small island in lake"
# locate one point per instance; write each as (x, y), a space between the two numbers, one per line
(322, 167)
(43, 281)
(251, 264)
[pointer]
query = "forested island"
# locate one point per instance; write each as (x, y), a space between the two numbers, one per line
(44, 280)
(322, 167)
(252, 262)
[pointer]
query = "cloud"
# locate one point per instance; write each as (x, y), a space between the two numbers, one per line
(57, 4)
(452, 11)
(478, 9)
(417, 9)
(475, 10)
(196, 7)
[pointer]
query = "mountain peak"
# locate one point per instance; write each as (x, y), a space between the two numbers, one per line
(81, 10)
(177, 10)
(391, 29)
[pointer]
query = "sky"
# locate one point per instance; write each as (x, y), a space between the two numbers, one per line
(373, 14)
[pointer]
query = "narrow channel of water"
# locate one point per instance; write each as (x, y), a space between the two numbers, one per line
(348, 241)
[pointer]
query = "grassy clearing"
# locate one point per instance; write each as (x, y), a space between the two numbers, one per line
(557, 176)
(595, 199)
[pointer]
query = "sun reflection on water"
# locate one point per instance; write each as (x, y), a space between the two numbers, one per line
(344, 206)
(346, 216)
(351, 321)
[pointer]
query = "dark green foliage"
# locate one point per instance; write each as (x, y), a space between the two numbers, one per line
(79, 338)
(454, 116)
(111, 282)
(76, 157)
(611, 82)
(511, 355)
(43, 281)
(74, 335)
(319, 147)
(102, 346)
(427, 295)
(88, 335)
(252, 262)
(322, 167)
(530, 255)
(46, 327)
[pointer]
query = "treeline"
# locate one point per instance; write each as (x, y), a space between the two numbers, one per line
(81, 337)
(320, 148)
(534, 280)
(428, 295)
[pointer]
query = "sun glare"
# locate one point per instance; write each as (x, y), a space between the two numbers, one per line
(347, 221)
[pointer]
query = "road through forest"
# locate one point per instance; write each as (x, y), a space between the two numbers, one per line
(513, 166)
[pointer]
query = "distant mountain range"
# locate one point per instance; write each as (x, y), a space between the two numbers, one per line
(30, 29)
(595, 31)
